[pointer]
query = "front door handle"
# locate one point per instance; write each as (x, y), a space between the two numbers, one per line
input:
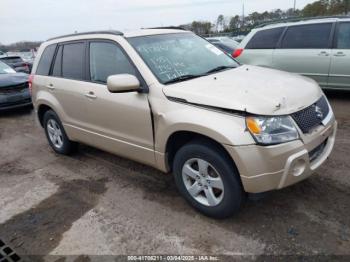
(323, 53)
(339, 54)
(91, 95)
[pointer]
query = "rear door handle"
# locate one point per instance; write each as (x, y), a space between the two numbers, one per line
(323, 53)
(339, 54)
(91, 95)
(50, 86)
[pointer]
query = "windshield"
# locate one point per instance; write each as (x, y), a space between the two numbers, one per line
(5, 69)
(229, 41)
(183, 56)
(27, 55)
(225, 40)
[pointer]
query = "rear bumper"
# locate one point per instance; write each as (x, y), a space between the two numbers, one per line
(269, 168)
(15, 100)
(17, 105)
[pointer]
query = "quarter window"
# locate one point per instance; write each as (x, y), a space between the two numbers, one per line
(46, 60)
(73, 61)
(315, 36)
(57, 67)
(108, 59)
(266, 39)
(343, 41)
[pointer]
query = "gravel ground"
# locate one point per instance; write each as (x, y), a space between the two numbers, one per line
(95, 203)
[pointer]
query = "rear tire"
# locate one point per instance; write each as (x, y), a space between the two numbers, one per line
(208, 180)
(56, 134)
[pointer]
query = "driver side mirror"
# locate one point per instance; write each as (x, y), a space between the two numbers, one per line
(123, 83)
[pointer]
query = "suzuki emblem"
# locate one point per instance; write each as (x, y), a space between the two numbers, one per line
(319, 112)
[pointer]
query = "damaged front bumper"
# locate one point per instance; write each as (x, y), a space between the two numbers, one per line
(274, 167)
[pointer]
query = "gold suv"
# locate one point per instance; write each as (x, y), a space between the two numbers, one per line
(171, 100)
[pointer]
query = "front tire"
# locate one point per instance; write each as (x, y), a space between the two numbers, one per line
(208, 180)
(56, 135)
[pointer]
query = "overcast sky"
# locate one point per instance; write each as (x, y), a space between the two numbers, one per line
(42, 19)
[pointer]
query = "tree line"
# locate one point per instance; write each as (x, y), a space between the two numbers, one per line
(242, 25)
(20, 46)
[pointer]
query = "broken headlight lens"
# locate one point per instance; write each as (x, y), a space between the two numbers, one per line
(272, 130)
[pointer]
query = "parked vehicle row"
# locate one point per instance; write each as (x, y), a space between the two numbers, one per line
(17, 63)
(319, 49)
(169, 99)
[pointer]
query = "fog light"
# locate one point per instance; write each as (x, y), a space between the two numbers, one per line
(298, 167)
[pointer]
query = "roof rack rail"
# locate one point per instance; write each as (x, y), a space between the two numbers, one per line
(167, 27)
(108, 32)
(299, 19)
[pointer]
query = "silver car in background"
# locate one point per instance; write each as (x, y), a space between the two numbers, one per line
(316, 48)
(224, 43)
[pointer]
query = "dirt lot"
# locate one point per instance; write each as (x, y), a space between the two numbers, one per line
(96, 203)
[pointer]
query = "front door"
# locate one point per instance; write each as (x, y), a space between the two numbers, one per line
(120, 123)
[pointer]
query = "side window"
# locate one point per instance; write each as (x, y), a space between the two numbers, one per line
(108, 59)
(266, 39)
(57, 67)
(73, 61)
(343, 41)
(46, 60)
(315, 36)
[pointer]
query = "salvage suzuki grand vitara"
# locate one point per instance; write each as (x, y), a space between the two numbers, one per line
(171, 100)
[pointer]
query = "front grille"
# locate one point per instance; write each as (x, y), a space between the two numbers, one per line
(312, 116)
(13, 89)
(315, 153)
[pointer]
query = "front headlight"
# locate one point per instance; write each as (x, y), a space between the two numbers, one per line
(272, 130)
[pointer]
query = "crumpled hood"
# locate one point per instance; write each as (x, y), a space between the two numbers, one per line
(252, 89)
(13, 79)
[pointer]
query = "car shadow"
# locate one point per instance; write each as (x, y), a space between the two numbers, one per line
(22, 111)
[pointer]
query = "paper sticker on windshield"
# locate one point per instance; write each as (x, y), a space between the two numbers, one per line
(214, 49)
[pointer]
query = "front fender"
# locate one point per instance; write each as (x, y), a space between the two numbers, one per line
(224, 128)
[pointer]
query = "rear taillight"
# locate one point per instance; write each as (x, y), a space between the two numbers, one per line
(237, 52)
(30, 83)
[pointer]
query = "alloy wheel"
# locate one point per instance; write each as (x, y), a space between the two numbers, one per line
(203, 182)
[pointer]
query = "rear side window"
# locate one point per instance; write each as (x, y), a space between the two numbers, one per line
(315, 36)
(73, 61)
(108, 59)
(46, 60)
(266, 39)
(343, 41)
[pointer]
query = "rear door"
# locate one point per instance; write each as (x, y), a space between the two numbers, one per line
(67, 85)
(306, 50)
(119, 122)
(339, 76)
(259, 50)
(42, 73)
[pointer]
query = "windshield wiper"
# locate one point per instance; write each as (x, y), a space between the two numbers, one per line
(219, 68)
(182, 78)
